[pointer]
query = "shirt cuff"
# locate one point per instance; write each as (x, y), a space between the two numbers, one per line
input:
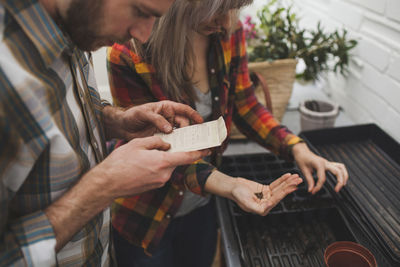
(36, 239)
(105, 103)
(287, 153)
(196, 176)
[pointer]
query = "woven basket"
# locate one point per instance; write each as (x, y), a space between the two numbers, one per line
(279, 76)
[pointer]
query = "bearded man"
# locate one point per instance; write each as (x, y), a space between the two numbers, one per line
(56, 184)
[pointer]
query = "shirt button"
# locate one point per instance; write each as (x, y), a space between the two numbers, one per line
(168, 216)
(180, 193)
(95, 145)
(216, 98)
(212, 71)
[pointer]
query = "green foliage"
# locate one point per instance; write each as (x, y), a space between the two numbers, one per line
(279, 36)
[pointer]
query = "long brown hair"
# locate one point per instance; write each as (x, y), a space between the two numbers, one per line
(170, 47)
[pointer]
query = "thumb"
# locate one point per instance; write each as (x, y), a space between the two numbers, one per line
(149, 143)
(184, 158)
(159, 121)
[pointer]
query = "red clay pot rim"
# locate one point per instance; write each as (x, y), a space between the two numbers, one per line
(348, 246)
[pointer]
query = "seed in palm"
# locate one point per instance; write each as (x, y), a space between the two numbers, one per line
(259, 195)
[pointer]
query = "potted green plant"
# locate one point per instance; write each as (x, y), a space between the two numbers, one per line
(277, 42)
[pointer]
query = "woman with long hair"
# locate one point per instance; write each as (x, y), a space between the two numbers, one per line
(196, 55)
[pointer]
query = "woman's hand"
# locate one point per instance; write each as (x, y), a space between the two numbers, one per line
(309, 162)
(260, 199)
(247, 194)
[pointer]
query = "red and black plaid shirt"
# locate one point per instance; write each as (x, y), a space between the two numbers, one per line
(142, 219)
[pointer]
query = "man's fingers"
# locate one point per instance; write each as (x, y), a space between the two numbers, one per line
(150, 143)
(167, 111)
(164, 114)
(185, 111)
(182, 121)
(183, 158)
(160, 122)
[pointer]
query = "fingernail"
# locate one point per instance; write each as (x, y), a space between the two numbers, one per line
(167, 128)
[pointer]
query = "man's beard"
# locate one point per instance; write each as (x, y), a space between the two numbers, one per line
(82, 23)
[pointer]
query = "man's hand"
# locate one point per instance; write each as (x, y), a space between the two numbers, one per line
(133, 168)
(141, 165)
(309, 162)
(146, 119)
(243, 193)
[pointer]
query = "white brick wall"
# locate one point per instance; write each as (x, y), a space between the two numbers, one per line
(371, 93)
(393, 9)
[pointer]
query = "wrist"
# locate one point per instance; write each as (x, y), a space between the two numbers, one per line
(220, 184)
(76, 207)
(299, 148)
(97, 182)
(112, 121)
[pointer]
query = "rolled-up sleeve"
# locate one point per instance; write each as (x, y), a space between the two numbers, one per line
(193, 177)
(28, 240)
(249, 115)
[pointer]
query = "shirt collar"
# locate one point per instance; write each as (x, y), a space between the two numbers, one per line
(39, 27)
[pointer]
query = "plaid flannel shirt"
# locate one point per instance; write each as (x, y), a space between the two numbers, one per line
(50, 135)
(143, 219)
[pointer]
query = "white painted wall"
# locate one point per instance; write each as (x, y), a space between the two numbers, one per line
(371, 93)
(100, 69)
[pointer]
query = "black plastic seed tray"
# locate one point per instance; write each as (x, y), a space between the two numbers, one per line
(265, 168)
(372, 196)
(290, 239)
(296, 232)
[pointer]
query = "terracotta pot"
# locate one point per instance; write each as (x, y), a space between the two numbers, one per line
(348, 254)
